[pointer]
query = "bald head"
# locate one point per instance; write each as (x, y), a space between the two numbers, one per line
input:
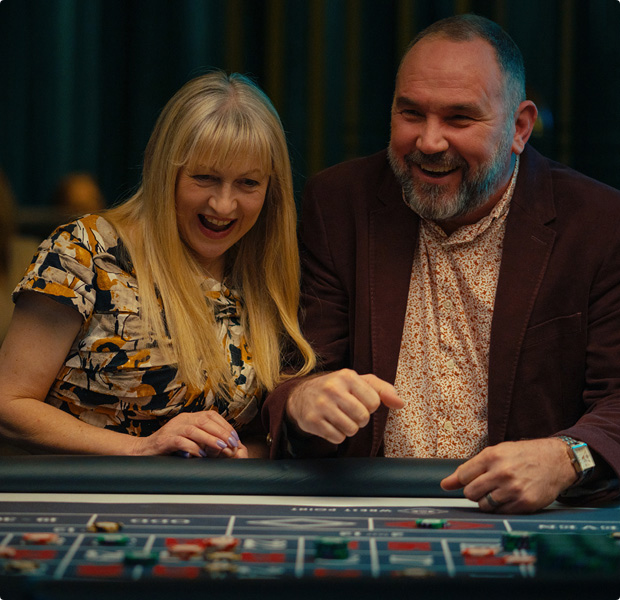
(466, 28)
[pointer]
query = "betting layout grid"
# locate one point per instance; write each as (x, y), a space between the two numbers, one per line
(134, 541)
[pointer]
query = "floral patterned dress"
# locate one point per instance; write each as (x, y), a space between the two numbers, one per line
(115, 377)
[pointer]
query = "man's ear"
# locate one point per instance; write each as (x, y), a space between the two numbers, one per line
(525, 118)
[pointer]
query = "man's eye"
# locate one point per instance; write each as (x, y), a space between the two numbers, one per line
(409, 113)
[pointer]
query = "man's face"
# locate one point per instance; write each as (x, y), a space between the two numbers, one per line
(451, 139)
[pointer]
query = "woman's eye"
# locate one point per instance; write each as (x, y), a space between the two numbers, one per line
(250, 182)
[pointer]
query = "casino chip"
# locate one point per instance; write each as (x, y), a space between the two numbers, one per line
(415, 572)
(332, 548)
(520, 559)
(222, 555)
(105, 527)
(21, 567)
(112, 539)
(220, 567)
(7, 552)
(223, 543)
(141, 557)
(518, 540)
(431, 523)
(41, 538)
(478, 551)
(221, 560)
(186, 551)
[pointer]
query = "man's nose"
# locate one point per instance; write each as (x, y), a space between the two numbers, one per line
(431, 139)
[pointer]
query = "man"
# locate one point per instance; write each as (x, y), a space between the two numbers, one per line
(479, 277)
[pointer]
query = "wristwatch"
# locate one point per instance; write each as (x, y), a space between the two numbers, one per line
(581, 457)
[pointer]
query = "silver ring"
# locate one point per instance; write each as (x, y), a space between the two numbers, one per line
(492, 502)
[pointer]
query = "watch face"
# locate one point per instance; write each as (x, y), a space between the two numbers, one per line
(583, 456)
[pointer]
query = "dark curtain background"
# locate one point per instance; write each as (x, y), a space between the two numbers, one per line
(82, 81)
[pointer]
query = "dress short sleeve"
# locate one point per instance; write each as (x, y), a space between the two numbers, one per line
(68, 265)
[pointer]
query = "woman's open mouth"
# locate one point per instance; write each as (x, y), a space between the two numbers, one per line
(216, 225)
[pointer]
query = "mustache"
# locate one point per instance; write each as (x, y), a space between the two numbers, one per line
(439, 159)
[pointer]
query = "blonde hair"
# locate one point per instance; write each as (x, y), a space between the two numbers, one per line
(216, 119)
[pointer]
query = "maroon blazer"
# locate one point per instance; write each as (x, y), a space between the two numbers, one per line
(554, 362)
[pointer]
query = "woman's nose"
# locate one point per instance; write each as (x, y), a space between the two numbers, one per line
(223, 200)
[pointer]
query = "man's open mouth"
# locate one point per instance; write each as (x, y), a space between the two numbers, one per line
(436, 171)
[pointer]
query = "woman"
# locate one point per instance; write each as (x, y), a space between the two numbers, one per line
(156, 326)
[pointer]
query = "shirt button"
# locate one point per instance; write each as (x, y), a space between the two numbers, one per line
(450, 364)
(448, 305)
(448, 426)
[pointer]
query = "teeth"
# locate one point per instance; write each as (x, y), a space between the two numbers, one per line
(217, 222)
(435, 168)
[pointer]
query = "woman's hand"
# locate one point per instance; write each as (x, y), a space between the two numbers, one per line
(201, 434)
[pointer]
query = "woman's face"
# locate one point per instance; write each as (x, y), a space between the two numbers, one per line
(217, 207)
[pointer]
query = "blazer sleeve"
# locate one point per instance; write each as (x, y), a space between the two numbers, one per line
(599, 426)
(324, 318)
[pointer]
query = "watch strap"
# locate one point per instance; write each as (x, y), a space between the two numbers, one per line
(581, 457)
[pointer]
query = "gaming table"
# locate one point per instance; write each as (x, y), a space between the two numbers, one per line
(113, 527)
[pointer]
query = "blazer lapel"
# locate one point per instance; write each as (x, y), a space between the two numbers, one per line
(393, 236)
(527, 247)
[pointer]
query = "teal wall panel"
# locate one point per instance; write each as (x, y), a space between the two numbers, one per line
(82, 81)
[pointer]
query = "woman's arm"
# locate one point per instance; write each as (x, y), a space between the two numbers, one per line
(39, 338)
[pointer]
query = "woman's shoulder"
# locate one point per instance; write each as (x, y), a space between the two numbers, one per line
(93, 232)
(89, 239)
(78, 260)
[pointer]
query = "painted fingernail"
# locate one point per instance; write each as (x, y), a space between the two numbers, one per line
(222, 444)
(235, 435)
(182, 453)
(203, 453)
(233, 442)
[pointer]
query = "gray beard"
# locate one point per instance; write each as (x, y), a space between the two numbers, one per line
(433, 201)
